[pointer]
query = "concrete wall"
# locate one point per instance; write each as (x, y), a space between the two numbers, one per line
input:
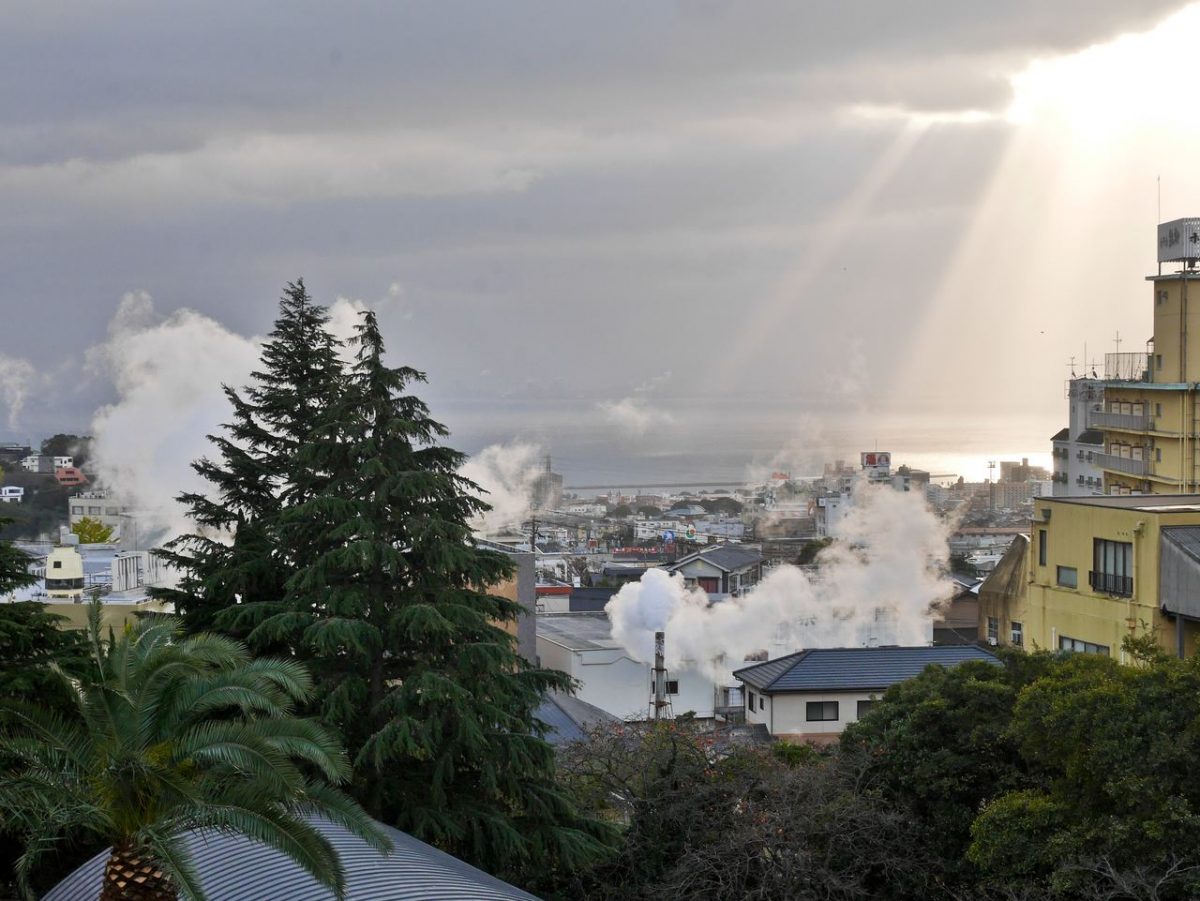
(522, 588)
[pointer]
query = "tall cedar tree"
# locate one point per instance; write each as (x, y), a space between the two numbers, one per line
(235, 553)
(415, 667)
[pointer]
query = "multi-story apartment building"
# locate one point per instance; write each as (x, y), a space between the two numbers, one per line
(1098, 569)
(1075, 447)
(1151, 400)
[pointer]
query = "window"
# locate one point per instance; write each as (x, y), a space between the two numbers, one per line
(1018, 635)
(93, 511)
(750, 698)
(993, 629)
(1041, 547)
(1158, 360)
(1158, 455)
(1081, 647)
(762, 703)
(1158, 409)
(1112, 567)
(864, 707)
(76, 510)
(672, 686)
(1068, 577)
(57, 564)
(822, 711)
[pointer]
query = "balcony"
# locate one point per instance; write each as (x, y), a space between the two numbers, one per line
(1131, 422)
(1109, 583)
(1126, 465)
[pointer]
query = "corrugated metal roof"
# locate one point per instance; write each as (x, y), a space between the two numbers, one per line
(837, 669)
(568, 716)
(1186, 538)
(233, 868)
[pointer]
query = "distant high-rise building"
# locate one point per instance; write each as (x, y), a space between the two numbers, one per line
(1075, 447)
(547, 490)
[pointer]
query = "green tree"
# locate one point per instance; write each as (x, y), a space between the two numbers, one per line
(92, 531)
(14, 565)
(416, 670)
(169, 734)
(1112, 750)
(236, 553)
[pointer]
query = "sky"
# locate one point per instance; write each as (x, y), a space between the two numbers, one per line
(667, 224)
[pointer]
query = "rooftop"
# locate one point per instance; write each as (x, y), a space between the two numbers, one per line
(234, 868)
(729, 557)
(849, 669)
(1146, 503)
(577, 631)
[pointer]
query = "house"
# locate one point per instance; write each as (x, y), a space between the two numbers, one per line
(12, 494)
(581, 645)
(233, 867)
(722, 569)
(70, 476)
(1097, 569)
(813, 695)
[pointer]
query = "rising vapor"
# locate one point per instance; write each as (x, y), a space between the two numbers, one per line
(881, 582)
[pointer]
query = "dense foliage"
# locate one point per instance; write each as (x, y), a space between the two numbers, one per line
(1050, 777)
(167, 734)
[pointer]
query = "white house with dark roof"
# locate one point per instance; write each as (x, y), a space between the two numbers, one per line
(721, 570)
(813, 695)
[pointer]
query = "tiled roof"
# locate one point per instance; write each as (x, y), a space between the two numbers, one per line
(729, 557)
(838, 669)
(568, 716)
(234, 868)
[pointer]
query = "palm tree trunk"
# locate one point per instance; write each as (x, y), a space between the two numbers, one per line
(132, 876)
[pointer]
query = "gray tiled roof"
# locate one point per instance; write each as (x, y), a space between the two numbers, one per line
(849, 669)
(1186, 538)
(728, 557)
(568, 716)
(233, 868)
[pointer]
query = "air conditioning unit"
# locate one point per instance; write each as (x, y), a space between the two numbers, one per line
(993, 642)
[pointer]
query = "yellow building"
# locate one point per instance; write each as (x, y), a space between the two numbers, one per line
(1096, 569)
(1150, 398)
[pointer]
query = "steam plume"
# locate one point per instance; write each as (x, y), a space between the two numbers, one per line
(16, 375)
(506, 473)
(881, 583)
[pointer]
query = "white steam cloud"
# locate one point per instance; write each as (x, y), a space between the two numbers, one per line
(506, 473)
(16, 378)
(882, 582)
(168, 372)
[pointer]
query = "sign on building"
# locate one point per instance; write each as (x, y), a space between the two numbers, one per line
(1179, 240)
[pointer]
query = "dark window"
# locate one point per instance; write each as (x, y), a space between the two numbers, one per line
(864, 707)
(1081, 647)
(750, 698)
(993, 629)
(1112, 567)
(822, 711)
(762, 703)
(1158, 360)
(672, 686)
(57, 564)
(1068, 577)
(63, 584)
(1041, 547)
(1018, 635)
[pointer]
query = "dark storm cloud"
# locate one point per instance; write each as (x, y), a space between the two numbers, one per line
(626, 180)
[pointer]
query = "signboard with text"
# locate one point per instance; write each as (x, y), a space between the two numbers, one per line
(1179, 240)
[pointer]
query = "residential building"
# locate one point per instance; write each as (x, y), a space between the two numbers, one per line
(1074, 448)
(1095, 570)
(43, 463)
(1151, 398)
(104, 507)
(12, 494)
(811, 696)
(721, 569)
(581, 645)
(70, 476)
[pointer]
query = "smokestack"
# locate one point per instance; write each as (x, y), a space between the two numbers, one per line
(660, 675)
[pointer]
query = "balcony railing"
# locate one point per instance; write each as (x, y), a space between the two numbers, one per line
(1134, 422)
(1108, 583)
(1127, 367)
(1126, 465)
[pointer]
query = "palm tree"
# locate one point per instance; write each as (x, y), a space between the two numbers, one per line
(170, 734)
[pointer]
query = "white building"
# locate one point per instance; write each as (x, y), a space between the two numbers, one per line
(1074, 447)
(105, 508)
(581, 645)
(813, 695)
(12, 494)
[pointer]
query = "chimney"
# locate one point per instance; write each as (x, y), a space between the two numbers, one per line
(660, 675)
